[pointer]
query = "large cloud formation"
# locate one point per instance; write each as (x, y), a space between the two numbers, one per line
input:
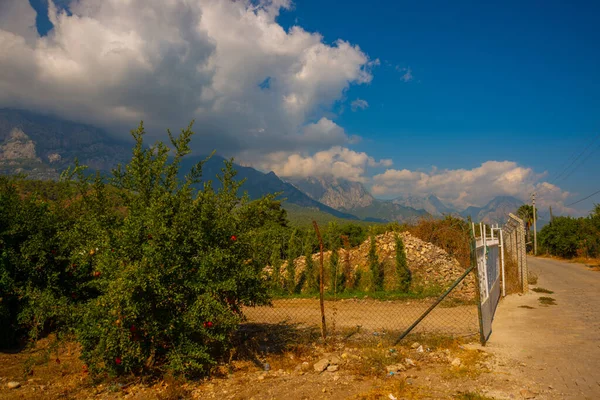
(466, 187)
(249, 83)
(337, 161)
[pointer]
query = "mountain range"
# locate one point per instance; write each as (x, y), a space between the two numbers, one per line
(42, 146)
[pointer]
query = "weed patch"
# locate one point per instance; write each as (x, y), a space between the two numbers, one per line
(472, 396)
(532, 278)
(527, 307)
(547, 301)
(542, 290)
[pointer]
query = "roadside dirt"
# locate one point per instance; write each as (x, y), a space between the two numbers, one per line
(361, 373)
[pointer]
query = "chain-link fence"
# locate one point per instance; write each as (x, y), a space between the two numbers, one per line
(373, 290)
(515, 255)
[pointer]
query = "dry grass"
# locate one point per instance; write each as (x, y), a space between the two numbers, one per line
(450, 234)
(511, 272)
(397, 388)
(532, 278)
(472, 396)
(470, 366)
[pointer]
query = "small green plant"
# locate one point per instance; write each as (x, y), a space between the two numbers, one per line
(311, 284)
(294, 251)
(542, 290)
(276, 266)
(532, 278)
(403, 274)
(375, 266)
(335, 278)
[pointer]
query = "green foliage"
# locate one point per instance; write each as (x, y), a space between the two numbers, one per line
(35, 274)
(147, 271)
(276, 265)
(572, 237)
(294, 251)
(333, 237)
(375, 266)
(311, 283)
(403, 274)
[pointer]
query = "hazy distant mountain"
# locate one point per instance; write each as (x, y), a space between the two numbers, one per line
(42, 146)
(335, 192)
(494, 212)
(382, 210)
(259, 184)
(430, 203)
(353, 198)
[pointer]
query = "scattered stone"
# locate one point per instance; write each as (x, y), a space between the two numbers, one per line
(528, 394)
(305, 366)
(415, 345)
(344, 356)
(333, 359)
(409, 362)
(13, 385)
(420, 349)
(321, 365)
(456, 362)
(333, 368)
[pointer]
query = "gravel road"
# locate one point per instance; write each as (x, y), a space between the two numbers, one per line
(557, 346)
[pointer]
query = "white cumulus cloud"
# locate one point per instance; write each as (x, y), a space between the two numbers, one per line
(466, 187)
(338, 161)
(249, 83)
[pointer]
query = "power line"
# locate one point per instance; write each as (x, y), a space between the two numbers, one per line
(578, 165)
(585, 198)
(557, 177)
(577, 158)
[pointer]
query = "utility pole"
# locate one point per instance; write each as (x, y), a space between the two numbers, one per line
(534, 229)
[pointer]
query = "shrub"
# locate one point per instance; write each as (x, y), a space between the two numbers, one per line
(375, 266)
(311, 283)
(403, 274)
(294, 251)
(35, 279)
(276, 265)
(335, 281)
(173, 272)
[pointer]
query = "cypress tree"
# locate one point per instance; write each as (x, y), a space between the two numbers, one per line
(375, 266)
(403, 274)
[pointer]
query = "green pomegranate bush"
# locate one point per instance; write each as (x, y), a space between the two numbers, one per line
(173, 273)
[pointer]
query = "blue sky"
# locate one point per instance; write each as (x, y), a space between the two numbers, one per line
(466, 99)
(512, 80)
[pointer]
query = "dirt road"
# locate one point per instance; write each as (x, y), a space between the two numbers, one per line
(557, 346)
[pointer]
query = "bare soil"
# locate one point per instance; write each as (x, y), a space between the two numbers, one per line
(371, 315)
(362, 374)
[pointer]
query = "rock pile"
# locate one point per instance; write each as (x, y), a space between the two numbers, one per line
(431, 266)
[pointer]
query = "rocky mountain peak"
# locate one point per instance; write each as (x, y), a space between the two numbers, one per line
(338, 193)
(18, 146)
